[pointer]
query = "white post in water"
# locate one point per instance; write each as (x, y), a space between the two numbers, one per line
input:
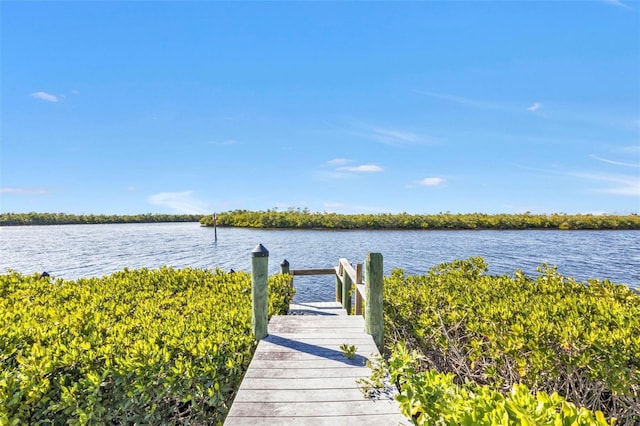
(214, 217)
(259, 291)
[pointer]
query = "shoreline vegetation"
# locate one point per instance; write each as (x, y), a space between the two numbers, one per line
(305, 219)
(33, 218)
(463, 347)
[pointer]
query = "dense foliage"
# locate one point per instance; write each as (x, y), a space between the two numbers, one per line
(431, 398)
(303, 219)
(13, 219)
(136, 347)
(551, 333)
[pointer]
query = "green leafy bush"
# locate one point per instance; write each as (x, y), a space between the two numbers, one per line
(550, 333)
(136, 347)
(431, 398)
(304, 219)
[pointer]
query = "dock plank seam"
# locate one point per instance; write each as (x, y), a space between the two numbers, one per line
(297, 377)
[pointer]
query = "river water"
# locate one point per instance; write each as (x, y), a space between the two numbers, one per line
(75, 251)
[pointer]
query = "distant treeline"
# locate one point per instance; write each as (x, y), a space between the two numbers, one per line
(304, 219)
(9, 219)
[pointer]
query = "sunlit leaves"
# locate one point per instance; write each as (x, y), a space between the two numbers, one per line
(304, 219)
(433, 398)
(144, 346)
(551, 333)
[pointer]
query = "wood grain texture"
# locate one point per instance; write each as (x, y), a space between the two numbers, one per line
(299, 375)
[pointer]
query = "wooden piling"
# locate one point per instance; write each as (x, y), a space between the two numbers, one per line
(284, 267)
(259, 291)
(373, 277)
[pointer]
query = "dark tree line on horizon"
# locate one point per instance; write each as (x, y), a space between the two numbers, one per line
(33, 218)
(304, 219)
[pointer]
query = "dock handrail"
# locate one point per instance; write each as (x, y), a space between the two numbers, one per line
(362, 283)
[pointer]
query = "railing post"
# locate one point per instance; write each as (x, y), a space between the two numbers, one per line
(339, 284)
(374, 319)
(259, 291)
(358, 295)
(346, 291)
(284, 267)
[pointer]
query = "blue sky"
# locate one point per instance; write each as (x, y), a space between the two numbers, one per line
(350, 107)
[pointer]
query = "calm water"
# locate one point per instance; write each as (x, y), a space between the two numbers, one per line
(74, 251)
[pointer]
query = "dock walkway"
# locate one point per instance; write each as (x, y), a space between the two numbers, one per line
(299, 375)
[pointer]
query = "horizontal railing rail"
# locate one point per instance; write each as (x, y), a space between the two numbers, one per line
(361, 284)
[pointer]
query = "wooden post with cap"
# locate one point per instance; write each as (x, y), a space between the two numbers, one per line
(259, 291)
(373, 307)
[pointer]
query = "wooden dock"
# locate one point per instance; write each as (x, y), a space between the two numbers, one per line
(299, 375)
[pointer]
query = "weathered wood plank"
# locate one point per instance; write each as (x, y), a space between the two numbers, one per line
(325, 309)
(323, 304)
(321, 319)
(299, 383)
(283, 329)
(299, 375)
(321, 351)
(370, 420)
(321, 271)
(299, 395)
(326, 334)
(319, 305)
(304, 373)
(277, 343)
(311, 363)
(330, 322)
(308, 409)
(351, 272)
(327, 342)
(301, 356)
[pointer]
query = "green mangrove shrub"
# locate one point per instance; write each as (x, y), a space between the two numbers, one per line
(304, 219)
(161, 346)
(550, 333)
(33, 218)
(431, 398)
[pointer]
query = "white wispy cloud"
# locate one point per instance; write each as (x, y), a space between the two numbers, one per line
(630, 149)
(621, 184)
(481, 103)
(617, 3)
(364, 168)
(536, 106)
(339, 207)
(625, 185)
(346, 167)
(395, 136)
(333, 206)
(339, 161)
(24, 191)
(431, 181)
(469, 102)
(44, 96)
(617, 163)
(181, 202)
(389, 136)
(132, 188)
